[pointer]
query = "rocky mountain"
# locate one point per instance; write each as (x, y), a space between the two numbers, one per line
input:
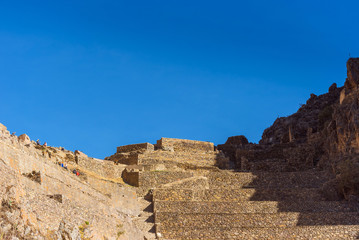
(301, 181)
(322, 134)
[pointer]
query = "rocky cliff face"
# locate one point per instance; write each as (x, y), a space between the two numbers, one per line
(42, 200)
(323, 133)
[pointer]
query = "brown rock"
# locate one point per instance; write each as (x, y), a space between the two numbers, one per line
(352, 80)
(333, 87)
(80, 154)
(237, 140)
(25, 139)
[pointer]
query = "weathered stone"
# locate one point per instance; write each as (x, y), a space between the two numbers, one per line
(333, 87)
(352, 80)
(342, 96)
(141, 147)
(25, 139)
(184, 145)
(281, 192)
(237, 140)
(80, 154)
(28, 178)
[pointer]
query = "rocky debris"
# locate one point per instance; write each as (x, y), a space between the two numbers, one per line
(68, 232)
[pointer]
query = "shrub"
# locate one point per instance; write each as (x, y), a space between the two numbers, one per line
(349, 177)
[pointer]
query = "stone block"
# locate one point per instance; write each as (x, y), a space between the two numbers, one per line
(24, 139)
(184, 145)
(140, 148)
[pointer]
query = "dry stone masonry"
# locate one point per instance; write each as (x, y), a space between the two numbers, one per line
(299, 182)
(189, 197)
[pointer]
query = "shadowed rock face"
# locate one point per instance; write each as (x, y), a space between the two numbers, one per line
(323, 133)
(352, 81)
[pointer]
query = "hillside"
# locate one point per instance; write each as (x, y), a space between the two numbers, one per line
(301, 181)
(322, 134)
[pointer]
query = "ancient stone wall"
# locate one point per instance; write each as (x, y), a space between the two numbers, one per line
(140, 148)
(183, 145)
(107, 169)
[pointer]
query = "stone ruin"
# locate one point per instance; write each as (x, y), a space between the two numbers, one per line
(299, 182)
(186, 195)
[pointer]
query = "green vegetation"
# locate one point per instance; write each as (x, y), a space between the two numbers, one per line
(120, 231)
(82, 229)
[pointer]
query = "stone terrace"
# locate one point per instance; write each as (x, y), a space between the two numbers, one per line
(189, 197)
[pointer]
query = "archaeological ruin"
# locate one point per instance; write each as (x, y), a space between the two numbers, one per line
(301, 181)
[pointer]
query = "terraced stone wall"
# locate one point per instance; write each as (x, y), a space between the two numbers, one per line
(153, 178)
(104, 168)
(184, 145)
(141, 147)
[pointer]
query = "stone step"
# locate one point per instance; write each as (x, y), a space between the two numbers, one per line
(324, 232)
(151, 164)
(249, 207)
(225, 194)
(173, 221)
(307, 179)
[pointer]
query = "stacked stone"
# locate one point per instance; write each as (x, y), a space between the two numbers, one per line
(256, 205)
(208, 203)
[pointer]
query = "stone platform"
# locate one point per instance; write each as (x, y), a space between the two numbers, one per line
(191, 197)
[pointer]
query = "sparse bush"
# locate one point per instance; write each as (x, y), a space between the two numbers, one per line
(349, 177)
(82, 229)
(120, 231)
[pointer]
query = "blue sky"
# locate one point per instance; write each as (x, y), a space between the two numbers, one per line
(94, 75)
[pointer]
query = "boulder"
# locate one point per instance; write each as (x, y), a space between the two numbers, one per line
(24, 139)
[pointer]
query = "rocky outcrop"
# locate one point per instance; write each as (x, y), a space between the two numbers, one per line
(352, 80)
(323, 133)
(24, 139)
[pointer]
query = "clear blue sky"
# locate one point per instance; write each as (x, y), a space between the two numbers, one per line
(93, 75)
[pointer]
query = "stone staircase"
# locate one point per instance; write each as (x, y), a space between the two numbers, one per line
(204, 202)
